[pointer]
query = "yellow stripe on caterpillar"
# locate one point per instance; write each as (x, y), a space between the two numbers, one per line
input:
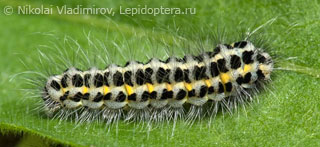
(84, 90)
(188, 86)
(105, 90)
(247, 68)
(150, 87)
(129, 89)
(169, 87)
(225, 77)
(207, 83)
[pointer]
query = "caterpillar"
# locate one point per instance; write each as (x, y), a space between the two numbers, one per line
(228, 72)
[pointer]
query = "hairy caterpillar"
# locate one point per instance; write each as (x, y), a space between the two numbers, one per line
(227, 73)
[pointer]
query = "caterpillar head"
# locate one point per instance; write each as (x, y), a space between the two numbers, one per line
(255, 56)
(265, 65)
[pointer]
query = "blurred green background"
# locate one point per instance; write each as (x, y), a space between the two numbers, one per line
(287, 114)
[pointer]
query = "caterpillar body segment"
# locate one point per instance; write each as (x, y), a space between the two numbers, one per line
(227, 71)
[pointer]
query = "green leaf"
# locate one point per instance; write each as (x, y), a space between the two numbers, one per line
(287, 113)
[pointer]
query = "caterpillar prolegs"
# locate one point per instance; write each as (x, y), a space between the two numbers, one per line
(227, 72)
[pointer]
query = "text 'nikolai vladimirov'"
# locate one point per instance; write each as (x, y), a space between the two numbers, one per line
(93, 10)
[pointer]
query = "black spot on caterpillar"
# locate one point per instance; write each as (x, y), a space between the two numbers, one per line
(227, 71)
